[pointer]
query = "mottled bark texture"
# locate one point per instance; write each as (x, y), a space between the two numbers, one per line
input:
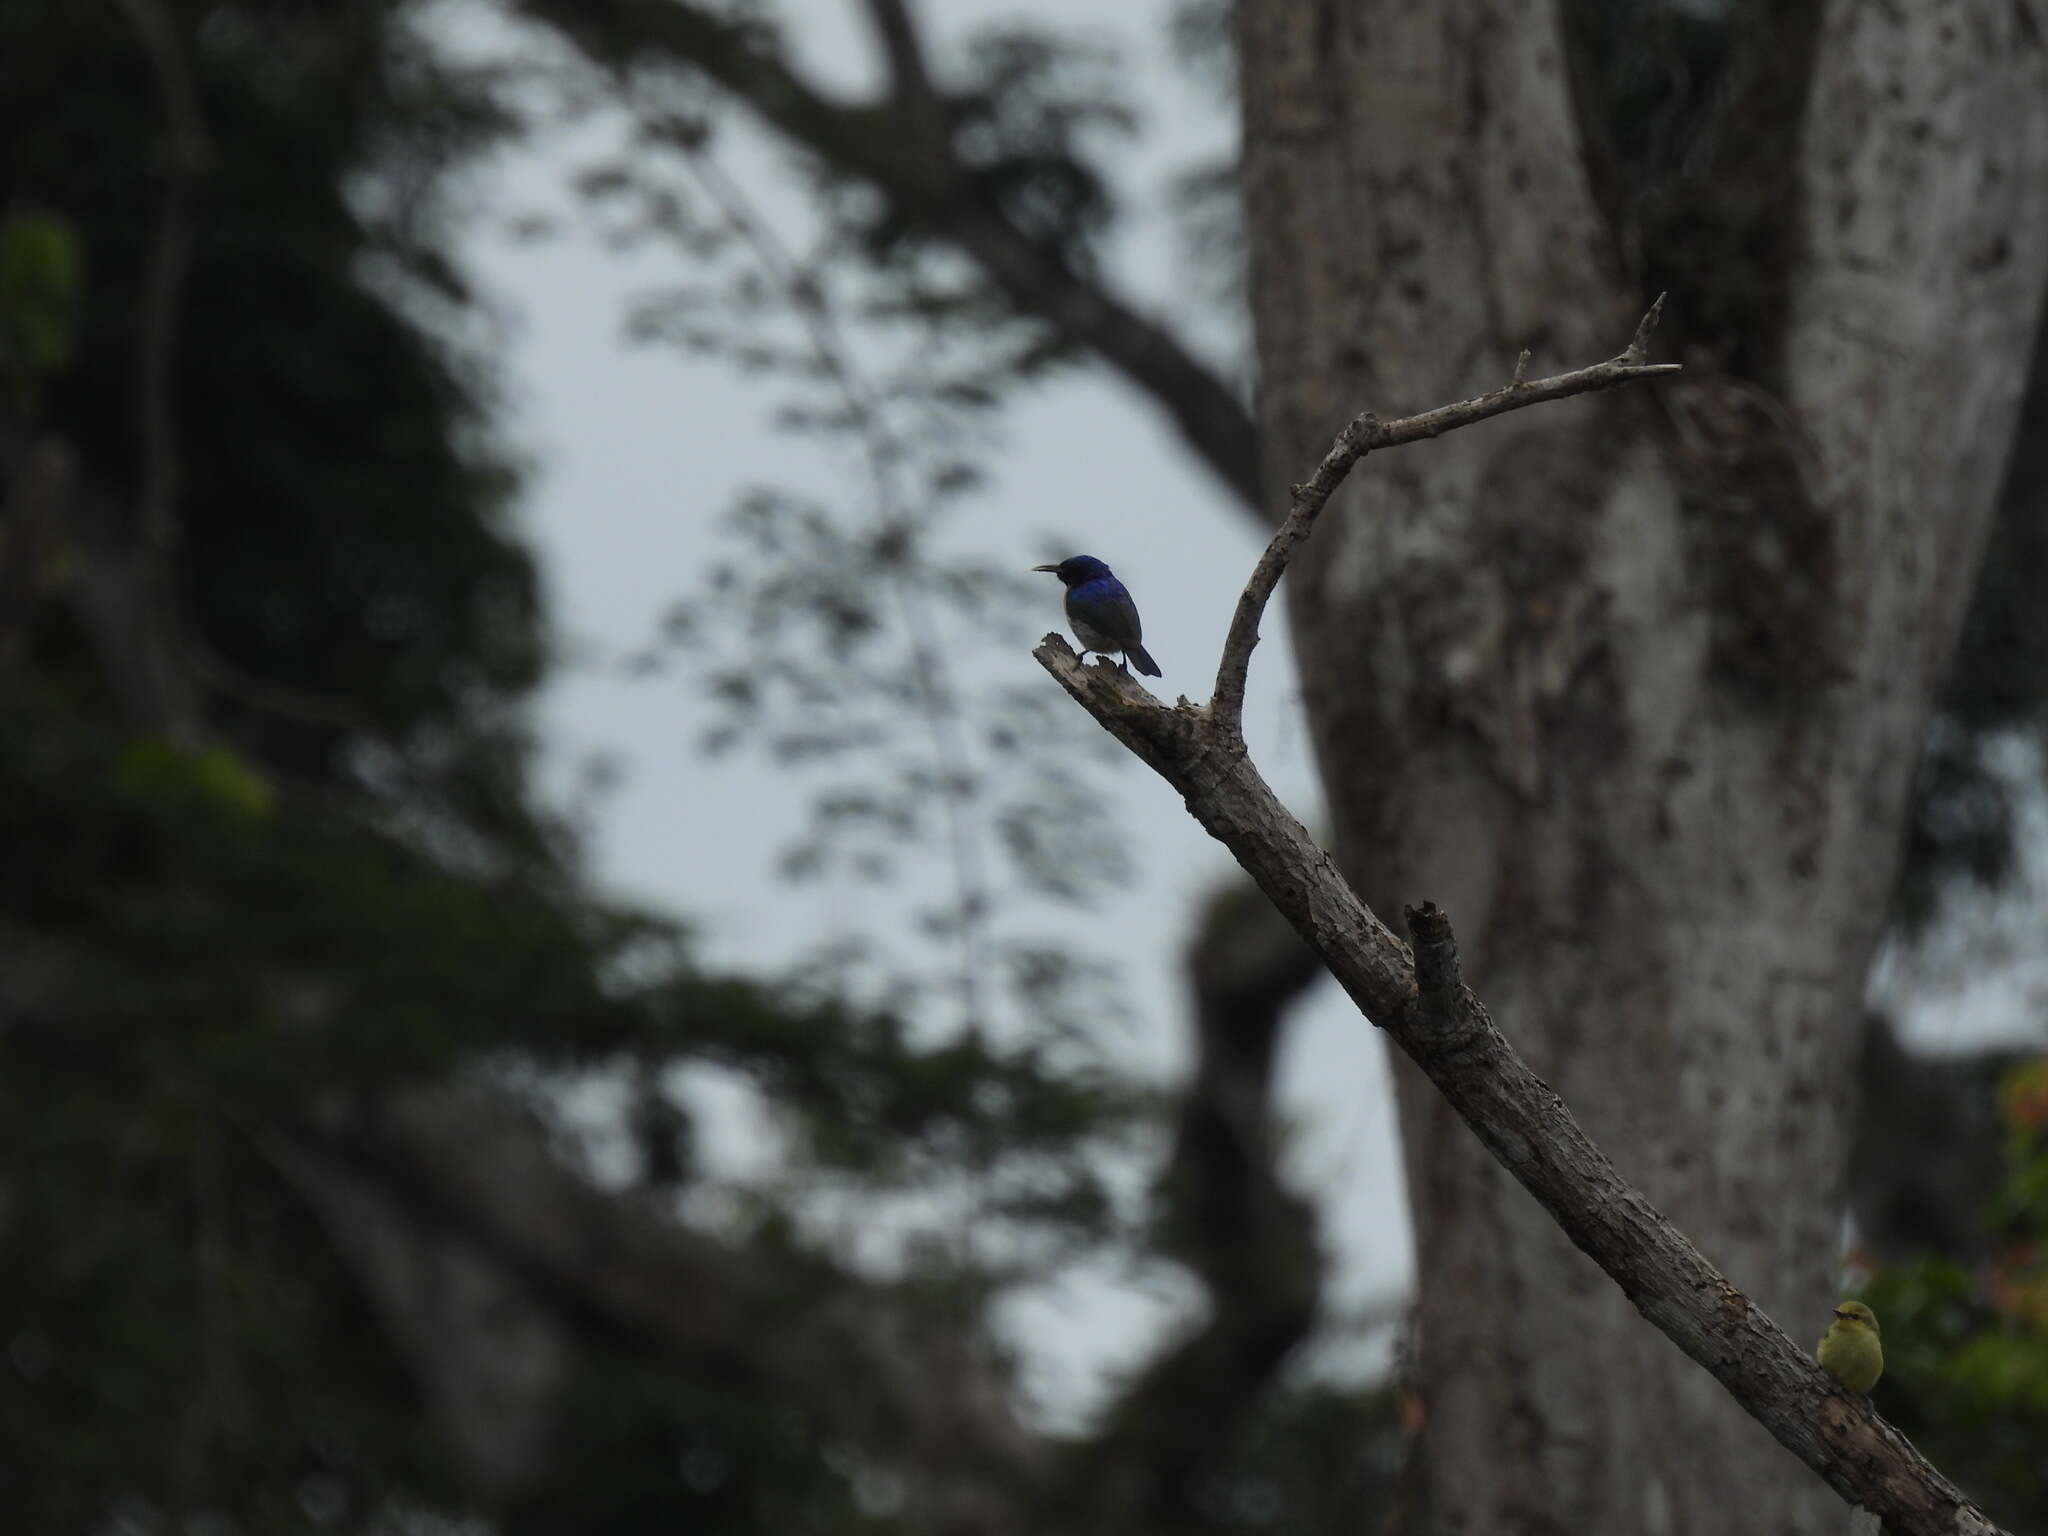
(1635, 686)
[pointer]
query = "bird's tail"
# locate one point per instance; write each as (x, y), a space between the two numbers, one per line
(1142, 660)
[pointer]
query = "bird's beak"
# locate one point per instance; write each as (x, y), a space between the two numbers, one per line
(1052, 568)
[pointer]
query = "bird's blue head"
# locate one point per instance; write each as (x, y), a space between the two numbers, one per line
(1076, 569)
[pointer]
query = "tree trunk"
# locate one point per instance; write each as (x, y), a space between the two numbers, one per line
(1635, 686)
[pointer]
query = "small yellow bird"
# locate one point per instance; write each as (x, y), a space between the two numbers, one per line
(1851, 1351)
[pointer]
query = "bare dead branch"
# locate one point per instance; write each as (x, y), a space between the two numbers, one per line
(1444, 1028)
(1362, 436)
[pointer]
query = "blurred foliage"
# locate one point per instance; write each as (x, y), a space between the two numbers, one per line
(384, 595)
(1966, 1345)
(1031, 118)
(1320, 1457)
(647, 1451)
(345, 883)
(38, 291)
(846, 635)
(1966, 807)
(180, 1332)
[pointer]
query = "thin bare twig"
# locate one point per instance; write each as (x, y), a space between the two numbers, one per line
(1362, 436)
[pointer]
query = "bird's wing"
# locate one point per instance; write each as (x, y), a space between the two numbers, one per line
(1115, 613)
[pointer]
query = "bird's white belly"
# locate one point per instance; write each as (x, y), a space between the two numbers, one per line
(1091, 638)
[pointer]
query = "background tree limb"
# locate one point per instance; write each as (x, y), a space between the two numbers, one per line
(891, 144)
(1250, 1240)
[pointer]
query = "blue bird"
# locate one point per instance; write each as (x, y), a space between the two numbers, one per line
(1101, 611)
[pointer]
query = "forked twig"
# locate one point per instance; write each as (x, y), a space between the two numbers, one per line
(1366, 433)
